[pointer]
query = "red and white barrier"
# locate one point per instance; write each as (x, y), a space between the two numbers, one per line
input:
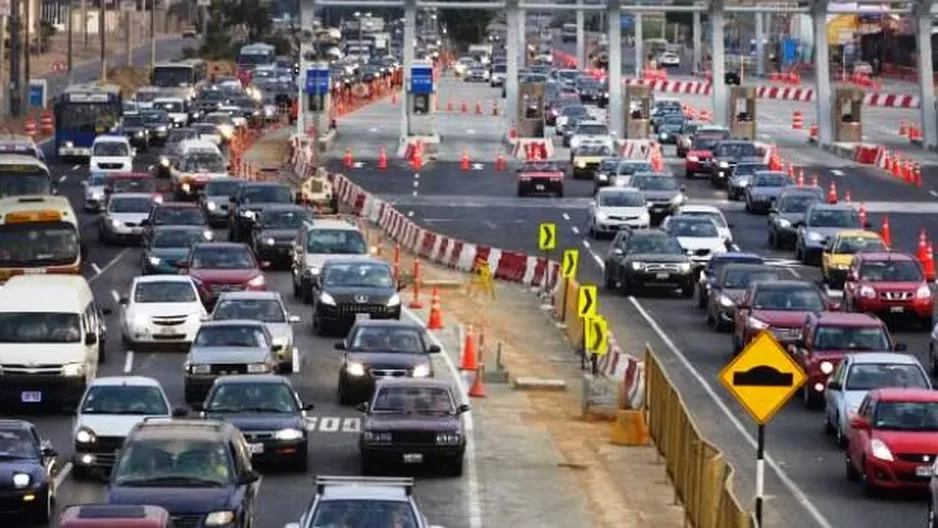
(641, 149)
(519, 147)
(628, 369)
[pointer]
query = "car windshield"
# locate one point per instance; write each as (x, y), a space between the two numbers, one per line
(132, 185)
(248, 336)
(789, 299)
(628, 168)
(574, 110)
(252, 397)
(655, 183)
(834, 218)
(621, 199)
(133, 120)
(593, 150)
(173, 462)
(124, 399)
(335, 242)
(673, 120)
(891, 271)
(413, 400)
(797, 203)
(358, 275)
(871, 376)
(608, 165)
(39, 327)
(769, 180)
(364, 513)
(264, 310)
(539, 166)
(203, 162)
(713, 216)
(207, 129)
(592, 130)
(705, 142)
(255, 194)
(748, 169)
(171, 106)
(283, 219)
(851, 338)
(854, 245)
(221, 257)
(735, 150)
(222, 188)
(165, 292)
(177, 238)
(657, 244)
(110, 148)
(740, 279)
(191, 216)
(696, 228)
(134, 204)
(178, 135)
(388, 339)
(906, 416)
(17, 444)
(217, 119)
(155, 118)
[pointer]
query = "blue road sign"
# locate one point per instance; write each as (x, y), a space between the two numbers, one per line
(317, 81)
(37, 95)
(421, 80)
(626, 21)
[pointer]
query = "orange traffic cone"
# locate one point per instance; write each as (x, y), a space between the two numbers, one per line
(435, 322)
(463, 107)
(464, 160)
(884, 232)
(922, 246)
(470, 360)
(862, 214)
(930, 263)
(832, 193)
(903, 129)
(347, 159)
(500, 162)
(800, 178)
(478, 108)
(416, 162)
(477, 390)
(382, 158)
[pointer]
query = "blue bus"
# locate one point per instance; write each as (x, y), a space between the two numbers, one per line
(82, 112)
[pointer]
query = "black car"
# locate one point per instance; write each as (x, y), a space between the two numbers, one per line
(250, 110)
(208, 102)
(158, 123)
(245, 206)
(742, 176)
(275, 231)
(172, 150)
(345, 288)
(670, 128)
(269, 413)
(378, 349)
(411, 422)
(26, 464)
(168, 246)
(726, 155)
(589, 89)
(200, 471)
(648, 258)
(135, 130)
(712, 270)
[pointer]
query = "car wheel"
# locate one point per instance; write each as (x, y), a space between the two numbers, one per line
(624, 287)
(610, 281)
(688, 291)
(285, 367)
(701, 300)
(748, 205)
(45, 512)
(810, 398)
(869, 489)
(773, 240)
(840, 436)
(297, 291)
(102, 351)
(852, 474)
(307, 294)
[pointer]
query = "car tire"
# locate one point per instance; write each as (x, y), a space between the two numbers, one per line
(300, 463)
(869, 489)
(366, 465)
(102, 351)
(44, 513)
(829, 429)
(810, 398)
(81, 473)
(297, 290)
(851, 472)
(307, 294)
(721, 326)
(625, 288)
(609, 281)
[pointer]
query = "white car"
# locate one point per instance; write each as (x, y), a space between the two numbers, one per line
(123, 216)
(669, 59)
(699, 237)
(109, 409)
(112, 154)
(860, 373)
(94, 192)
(462, 65)
(146, 96)
(591, 133)
(175, 107)
(615, 208)
(707, 211)
(161, 311)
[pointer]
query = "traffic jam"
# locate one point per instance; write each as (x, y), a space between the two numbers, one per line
(207, 251)
(874, 399)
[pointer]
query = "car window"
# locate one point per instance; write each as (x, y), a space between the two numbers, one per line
(165, 292)
(851, 338)
(231, 336)
(215, 257)
(404, 340)
(161, 462)
(870, 376)
(364, 513)
(265, 310)
(790, 299)
(335, 242)
(176, 238)
(740, 279)
(134, 204)
(142, 400)
(256, 194)
(110, 148)
(906, 416)
(178, 216)
(358, 275)
(413, 400)
(892, 270)
(254, 397)
(834, 218)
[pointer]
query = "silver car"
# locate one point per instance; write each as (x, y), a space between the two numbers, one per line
(122, 219)
(268, 308)
(94, 192)
(216, 197)
(318, 242)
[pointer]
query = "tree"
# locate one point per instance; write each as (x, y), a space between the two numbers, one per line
(232, 21)
(466, 26)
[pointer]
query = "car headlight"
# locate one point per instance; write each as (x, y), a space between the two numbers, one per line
(421, 371)
(155, 261)
(815, 237)
(21, 480)
(601, 216)
(185, 187)
(269, 241)
(211, 206)
(679, 199)
(85, 436)
(258, 368)
(68, 144)
(96, 195)
(880, 450)
(288, 434)
(158, 199)
(447, 438)
(663, 135)
(826, 367)
(724, 165)
(161, 128)
(139, 133)
(249, 214)
(603, 177)
(726, 302)
(395, 300)
(139, 320)
(220, 518)
(200, 369)
(868, 292)
(208, 235)
(757, 324)
(693, 159)
(783, 223)
(377, 438)
(575, 142)
(638, 266)
(256, 282)
(923, 292)
(684, 267)
(73, 370)
(355, 369)
(327, 299)
(116, 223)
(226, 130)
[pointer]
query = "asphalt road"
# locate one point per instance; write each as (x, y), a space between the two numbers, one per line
(481, 207)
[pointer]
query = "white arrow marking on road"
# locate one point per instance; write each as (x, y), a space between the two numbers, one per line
(358, 165)
(471, 131)
(477, 166)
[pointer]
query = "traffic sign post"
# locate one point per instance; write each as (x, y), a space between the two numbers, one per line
(547, 243)
(762, 378)
(568, 268)
(586, 309)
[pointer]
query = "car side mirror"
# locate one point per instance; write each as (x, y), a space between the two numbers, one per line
(145, 222)
(900, 347)
(308, 406)
(294, 319)
(834, 386)
(91, 338)
(434, 349)
(276, 347)
(250, 477)
(106, 311)
(859, 423)
(362, 407)
(340, 345)
(182, 412)
(48, 451)
(463, 408)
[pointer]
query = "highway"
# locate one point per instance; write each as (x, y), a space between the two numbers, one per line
(480, 206)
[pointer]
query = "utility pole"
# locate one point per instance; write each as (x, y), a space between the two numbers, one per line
(103, 34)
(70, 27)
(16, 91)
(4, 17)
(84, 24)
(28, 51)
(128, 32)
(152, 34)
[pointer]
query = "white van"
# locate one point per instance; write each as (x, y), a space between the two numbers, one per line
(51, 339)
(112, 154)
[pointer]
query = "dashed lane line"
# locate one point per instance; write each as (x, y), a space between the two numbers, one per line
(128, 362)
(101, 271)
(62, 178)
(96, 268)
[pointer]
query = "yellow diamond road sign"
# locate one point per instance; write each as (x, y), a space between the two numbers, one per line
(763, 377)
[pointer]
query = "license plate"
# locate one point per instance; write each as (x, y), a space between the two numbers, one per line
(539, 187)
(662, 275)
(256, 449)
(897, 309)
(31, 396)
(136, 230)
(167, 331)
(413, 458)
(923, 471)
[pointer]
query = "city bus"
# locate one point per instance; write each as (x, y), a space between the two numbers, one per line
(38, 234)
(254, 55)
(82, 112)
(187, 75)
(22, 174)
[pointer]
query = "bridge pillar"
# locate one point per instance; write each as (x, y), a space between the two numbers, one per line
(718, 62)
(616, 118)
(822, 69)
(760, 44)
(639, 44)
(698, 44)
(580, 37)
(307, 58)
(926, 74)
(410, 35)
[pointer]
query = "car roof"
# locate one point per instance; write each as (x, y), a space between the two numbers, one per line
(143, 279)
(232, 322)
(830, 207)
(414, 382)
(127, 196)
(906, 395)
(590, 122)
(125, 381)
(176, 428)
(253, 378)
(850, 319)
(330, 223)
(700, 209)
(250, 295)
(882, 357)
(40, 293)
(365, 491)
(387, 323)
(885, 256)
(737, 255)
(111, 139)
(857, 233)
(179, 205)
(10, 423)
(787, 283)
(346, 261)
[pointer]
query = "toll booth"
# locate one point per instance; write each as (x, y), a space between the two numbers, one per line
(317, 100)
(741, 112)
(531, 109)
(637, 109)
(420, 94)
(847, 109)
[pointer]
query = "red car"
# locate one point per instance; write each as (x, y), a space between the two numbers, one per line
(892, 439)
(219, 267)
(779, 306)
(540, 177)
(829, 336)
(701, 150)
(135, 182)
(114, 516)
(889, 284)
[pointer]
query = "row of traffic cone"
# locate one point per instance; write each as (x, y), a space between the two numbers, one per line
(469, 362)
(464, 108)
(903, 169)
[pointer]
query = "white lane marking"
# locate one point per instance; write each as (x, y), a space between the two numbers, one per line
(416, 183)
(62, 178)
(566, 217)
(62, 475)
(76, 167)
(933, 193)
(332, 424)
(837, 172)
(116, 296)
(783, 476)
(296, 360)
(329, 424)
(472, 470)
(575, 229)
(110, 264)
(129, 362)
(351, 425)
(96, 268)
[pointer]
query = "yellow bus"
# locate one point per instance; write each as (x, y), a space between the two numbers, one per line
(38, 234)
